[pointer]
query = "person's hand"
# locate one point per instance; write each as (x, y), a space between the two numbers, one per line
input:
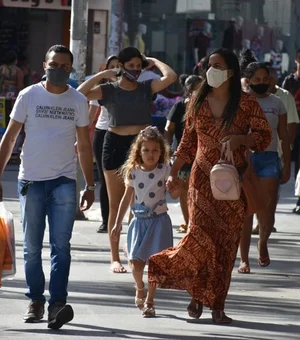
(173, 183)
(285, 174)
(1, 192)
(175, 193)
(151, 62)
(87, 199)
(112, 73)
(116, 231)
(234, 141)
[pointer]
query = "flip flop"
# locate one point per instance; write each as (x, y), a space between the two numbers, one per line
(182, 229)
(244, 268)
(263, 261)
(118, 270)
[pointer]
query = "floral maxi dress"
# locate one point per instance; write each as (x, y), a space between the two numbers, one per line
(202, 262)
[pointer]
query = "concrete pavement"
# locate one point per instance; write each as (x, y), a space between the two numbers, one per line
(264, 304)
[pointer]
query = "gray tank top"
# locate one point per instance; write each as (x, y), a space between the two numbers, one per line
(127, 107)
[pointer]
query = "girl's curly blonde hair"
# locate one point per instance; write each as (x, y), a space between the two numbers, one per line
(135, 156)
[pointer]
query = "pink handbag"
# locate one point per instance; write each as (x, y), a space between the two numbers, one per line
(224, 177)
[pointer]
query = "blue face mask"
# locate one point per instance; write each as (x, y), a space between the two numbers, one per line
(131, 75)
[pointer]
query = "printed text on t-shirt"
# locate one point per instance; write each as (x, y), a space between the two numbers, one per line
(55, 112)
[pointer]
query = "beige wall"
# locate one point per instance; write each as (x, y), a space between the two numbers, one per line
(100, 40)
(40, 39)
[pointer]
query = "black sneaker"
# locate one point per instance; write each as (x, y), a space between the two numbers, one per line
(35, 312)
(59, 314)
(296, 210)
(102, 228)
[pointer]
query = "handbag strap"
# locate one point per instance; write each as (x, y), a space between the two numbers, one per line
(226, 153)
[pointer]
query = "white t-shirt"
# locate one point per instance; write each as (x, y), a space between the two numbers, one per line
(150, 186)
(103, 120)
(273, 107)
(50, 122)
(289, 103)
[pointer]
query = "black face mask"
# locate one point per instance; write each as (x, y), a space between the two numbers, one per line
(131, 75)
(57, 76)
(259, 88)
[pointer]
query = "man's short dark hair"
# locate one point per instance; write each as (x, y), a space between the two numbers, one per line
(60, 49)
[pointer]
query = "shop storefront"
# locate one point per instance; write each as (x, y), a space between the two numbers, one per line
(30, 27)
(181, 32)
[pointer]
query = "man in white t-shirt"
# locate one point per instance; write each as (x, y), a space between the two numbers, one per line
(54, 115)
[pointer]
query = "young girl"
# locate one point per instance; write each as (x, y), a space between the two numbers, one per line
(150, 231)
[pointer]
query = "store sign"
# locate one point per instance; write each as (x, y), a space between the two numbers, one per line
(186, 6)
(45, 4)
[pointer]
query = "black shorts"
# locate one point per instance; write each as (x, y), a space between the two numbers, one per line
(115, 150)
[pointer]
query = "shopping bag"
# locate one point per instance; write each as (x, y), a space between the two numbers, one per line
(7, 244)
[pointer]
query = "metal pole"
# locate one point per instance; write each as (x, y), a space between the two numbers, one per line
(78, 39)
(116, 26)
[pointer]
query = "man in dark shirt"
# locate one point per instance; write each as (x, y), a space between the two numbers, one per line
(292, 84)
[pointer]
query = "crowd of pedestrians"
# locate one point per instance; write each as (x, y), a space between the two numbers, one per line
(232, 106)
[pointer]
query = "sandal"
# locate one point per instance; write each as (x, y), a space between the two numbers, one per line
(117, 269)
(182, 229)
(220, 318)
(148, 310)
(244, 268)
(195, 309)
(263, 261)
(139, 302)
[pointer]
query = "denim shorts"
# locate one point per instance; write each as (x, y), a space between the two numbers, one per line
(266, 164)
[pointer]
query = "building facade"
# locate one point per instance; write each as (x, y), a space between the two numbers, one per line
(181, 32)
(30, 27)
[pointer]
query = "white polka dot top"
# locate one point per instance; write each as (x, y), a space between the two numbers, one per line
(150, 186)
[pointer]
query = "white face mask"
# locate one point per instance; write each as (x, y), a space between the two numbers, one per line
(215, 77)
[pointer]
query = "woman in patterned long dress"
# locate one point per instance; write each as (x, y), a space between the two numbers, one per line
(203, 260)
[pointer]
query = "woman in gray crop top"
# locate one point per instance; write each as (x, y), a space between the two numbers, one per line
(128, 103)
(269, 168)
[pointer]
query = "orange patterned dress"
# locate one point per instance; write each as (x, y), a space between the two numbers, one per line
(202, 262)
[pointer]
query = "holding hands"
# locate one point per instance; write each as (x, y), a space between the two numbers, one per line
(173, 186)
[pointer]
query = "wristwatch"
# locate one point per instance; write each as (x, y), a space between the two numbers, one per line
(90, 187)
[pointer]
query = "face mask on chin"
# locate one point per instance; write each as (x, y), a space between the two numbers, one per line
(57, 76)
(216, 77)
(259, 88)
(131, 75)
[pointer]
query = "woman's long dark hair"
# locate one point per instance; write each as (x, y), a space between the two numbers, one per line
(235, 88)
(253, 67)
(108, 60)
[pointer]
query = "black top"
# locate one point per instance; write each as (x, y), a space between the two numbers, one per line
(127, 107)
(176, 116)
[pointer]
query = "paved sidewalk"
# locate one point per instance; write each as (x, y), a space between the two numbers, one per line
(264, 304)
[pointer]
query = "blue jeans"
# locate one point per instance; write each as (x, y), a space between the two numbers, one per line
(266, 164)
(56, 199)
